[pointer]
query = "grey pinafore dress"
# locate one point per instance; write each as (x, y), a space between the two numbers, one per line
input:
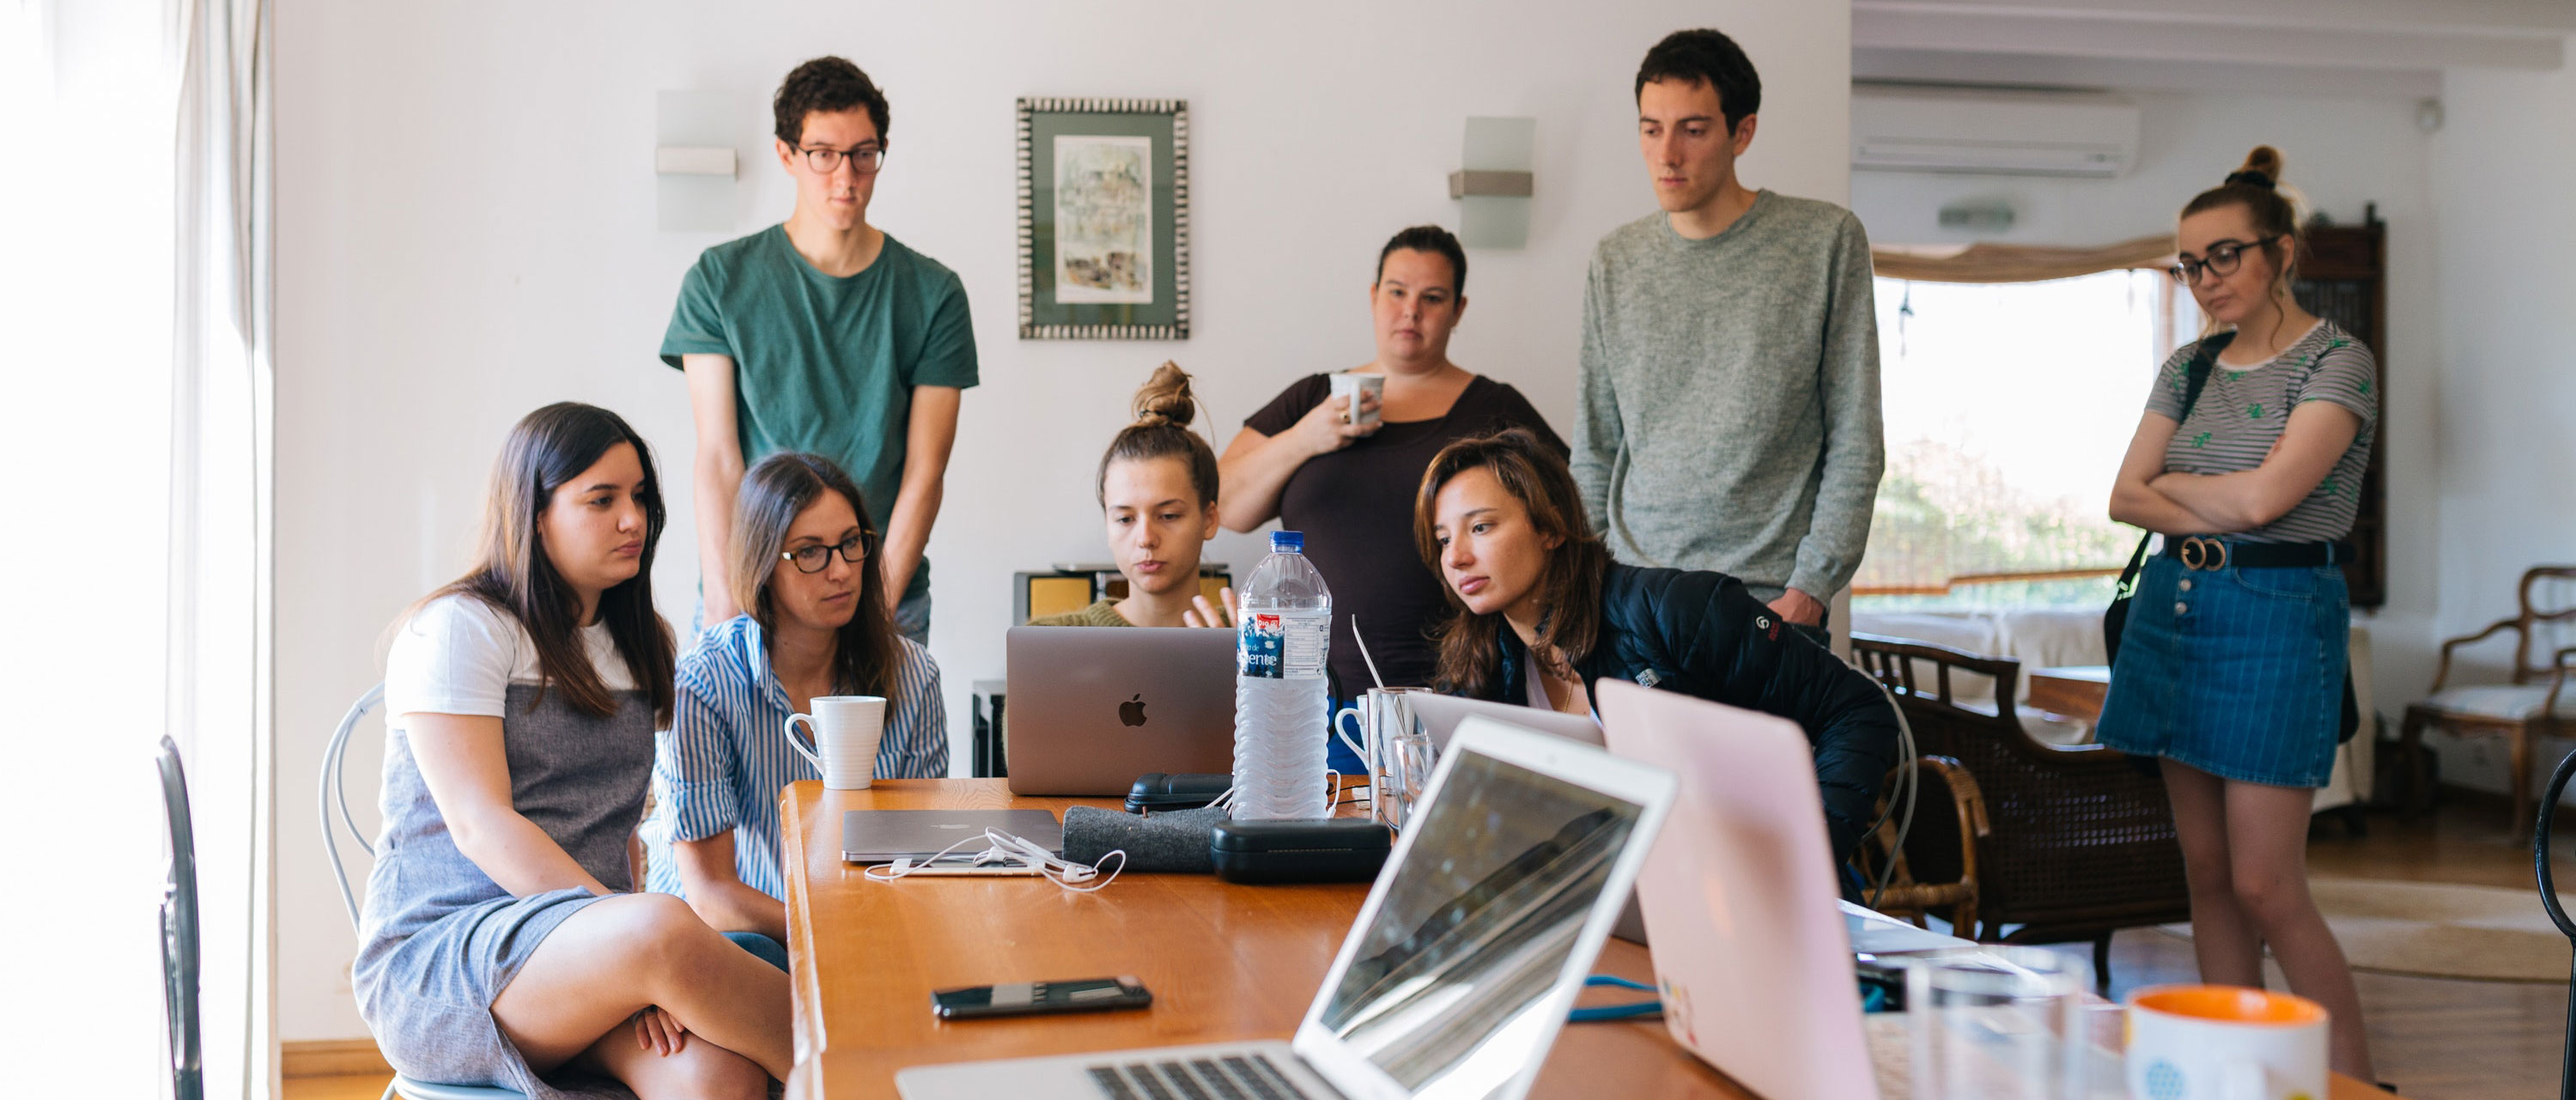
(440, 939)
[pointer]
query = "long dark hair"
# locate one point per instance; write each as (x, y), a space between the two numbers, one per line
(548, 448)
(1569, 587)
(773, 494)
(1163, 408)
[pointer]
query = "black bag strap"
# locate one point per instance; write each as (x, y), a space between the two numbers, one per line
(2196, 374)
(2203, 359)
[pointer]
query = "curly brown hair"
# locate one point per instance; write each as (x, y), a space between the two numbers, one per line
(829, 85)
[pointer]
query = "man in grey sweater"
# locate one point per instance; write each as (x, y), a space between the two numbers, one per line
(1729, 415)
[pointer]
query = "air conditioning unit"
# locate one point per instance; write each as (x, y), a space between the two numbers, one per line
(2007, 133)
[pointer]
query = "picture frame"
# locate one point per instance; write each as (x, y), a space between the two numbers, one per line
(1104, 219)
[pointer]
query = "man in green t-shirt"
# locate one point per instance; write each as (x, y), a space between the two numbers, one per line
(824, 334)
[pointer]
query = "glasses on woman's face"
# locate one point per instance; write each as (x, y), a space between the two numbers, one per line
(864, 160)
(816, 558)
(2221, 260)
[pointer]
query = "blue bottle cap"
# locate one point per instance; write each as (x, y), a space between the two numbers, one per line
(1287, 542)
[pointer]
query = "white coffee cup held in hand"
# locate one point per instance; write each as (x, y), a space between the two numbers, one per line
(846, 730)
(2224, 1042)
(1355, 386)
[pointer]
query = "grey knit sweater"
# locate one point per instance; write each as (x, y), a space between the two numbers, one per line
(1729, 416)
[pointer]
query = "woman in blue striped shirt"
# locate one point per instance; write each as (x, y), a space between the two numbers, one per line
(816, 624)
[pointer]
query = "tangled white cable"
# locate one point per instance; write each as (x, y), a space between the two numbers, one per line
(1014, 851)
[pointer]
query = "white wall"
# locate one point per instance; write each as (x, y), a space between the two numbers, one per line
(2343, 153)
(2508, 394)
(466, 232)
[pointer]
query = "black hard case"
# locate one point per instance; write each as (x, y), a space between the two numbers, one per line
(1342, 849)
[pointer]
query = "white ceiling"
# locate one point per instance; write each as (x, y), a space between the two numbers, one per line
(2325, 47)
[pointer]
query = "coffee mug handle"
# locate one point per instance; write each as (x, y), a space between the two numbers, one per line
(798, 744)
(1354, 713)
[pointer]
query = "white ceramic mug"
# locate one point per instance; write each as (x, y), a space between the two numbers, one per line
(2224, 1042)
(846, 731)
(1382, 714)
(1353, 385)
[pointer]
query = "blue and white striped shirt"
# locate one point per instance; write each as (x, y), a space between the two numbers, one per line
(723, 761)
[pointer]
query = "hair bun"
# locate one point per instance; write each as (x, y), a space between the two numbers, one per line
(2262, 168)
(1165, 399)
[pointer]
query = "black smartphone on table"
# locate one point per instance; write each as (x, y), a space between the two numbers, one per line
(1032, 998)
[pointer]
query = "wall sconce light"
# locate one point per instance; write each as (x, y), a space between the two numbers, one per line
(1494, 182)
(699, 150)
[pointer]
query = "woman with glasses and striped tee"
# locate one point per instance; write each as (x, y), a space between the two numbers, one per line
(815, 623)
(2231, 665)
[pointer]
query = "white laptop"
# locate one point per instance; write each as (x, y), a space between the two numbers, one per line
(1090, 708)
(1460, 967)
(1751, 954)
(1440, 715)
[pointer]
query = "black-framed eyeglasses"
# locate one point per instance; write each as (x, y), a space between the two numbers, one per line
(2221, 260)
(864, 160)
(818, 557)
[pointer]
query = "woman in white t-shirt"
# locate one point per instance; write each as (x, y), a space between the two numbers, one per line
(501, 944)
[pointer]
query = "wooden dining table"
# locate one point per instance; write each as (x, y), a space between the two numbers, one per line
(1225, 962)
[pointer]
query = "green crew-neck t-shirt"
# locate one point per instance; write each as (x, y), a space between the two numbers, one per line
(826, 364)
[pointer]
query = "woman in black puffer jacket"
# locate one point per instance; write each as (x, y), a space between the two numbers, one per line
(1500, 519)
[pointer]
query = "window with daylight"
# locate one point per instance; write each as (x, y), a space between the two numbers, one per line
(2008, 407)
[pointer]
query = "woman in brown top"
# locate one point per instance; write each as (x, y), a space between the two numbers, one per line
(1350, 487)
(1157, 491)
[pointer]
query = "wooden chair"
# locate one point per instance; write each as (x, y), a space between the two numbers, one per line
(1935, 868)
(2078, 839)
(2531, 706)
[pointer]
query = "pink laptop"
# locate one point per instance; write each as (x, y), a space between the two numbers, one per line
(1754, 965)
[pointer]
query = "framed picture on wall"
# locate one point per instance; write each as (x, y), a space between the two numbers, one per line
(1104, 219)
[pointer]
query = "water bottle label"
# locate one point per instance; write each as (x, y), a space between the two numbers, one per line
(1282, 647)
(1257, 646)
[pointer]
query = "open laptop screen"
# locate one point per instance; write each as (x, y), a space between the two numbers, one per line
(1448, 985)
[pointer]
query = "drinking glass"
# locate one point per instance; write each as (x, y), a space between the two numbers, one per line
(1410, 758)
(1998, 1023)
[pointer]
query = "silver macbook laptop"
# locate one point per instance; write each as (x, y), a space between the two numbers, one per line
(1440, 715)
(1460, 967)
(884, 836)
(1090, 708)
(1751, 950)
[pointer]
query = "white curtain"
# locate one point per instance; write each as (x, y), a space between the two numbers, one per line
(218, 650)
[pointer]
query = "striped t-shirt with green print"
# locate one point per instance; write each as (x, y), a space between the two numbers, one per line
(2243, 409)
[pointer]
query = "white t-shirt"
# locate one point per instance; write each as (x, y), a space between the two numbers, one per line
(458, 655)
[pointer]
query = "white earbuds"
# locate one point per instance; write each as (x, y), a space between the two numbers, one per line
(1019, 851)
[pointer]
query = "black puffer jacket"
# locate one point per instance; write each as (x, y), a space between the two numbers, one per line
(1704, 635)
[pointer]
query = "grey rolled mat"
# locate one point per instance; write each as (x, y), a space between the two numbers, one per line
(1167, 840)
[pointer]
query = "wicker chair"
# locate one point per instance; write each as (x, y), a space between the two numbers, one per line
(2079, 840)
(1936, 868)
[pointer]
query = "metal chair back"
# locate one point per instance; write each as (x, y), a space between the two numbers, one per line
(180, 948)
(335, 794)
(336, 818)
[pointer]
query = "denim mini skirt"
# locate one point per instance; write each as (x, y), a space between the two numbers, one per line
(2236, 672)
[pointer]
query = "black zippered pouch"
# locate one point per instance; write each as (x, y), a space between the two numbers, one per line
(1176, 790)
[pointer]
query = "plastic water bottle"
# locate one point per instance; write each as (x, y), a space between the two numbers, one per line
(1284, 623)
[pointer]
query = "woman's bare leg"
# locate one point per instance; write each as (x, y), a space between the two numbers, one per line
(2268, 847)
(700, 1070)
(2223, 936)
(614, 957)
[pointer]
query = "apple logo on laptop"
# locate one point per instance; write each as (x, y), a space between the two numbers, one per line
(1132, 712)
